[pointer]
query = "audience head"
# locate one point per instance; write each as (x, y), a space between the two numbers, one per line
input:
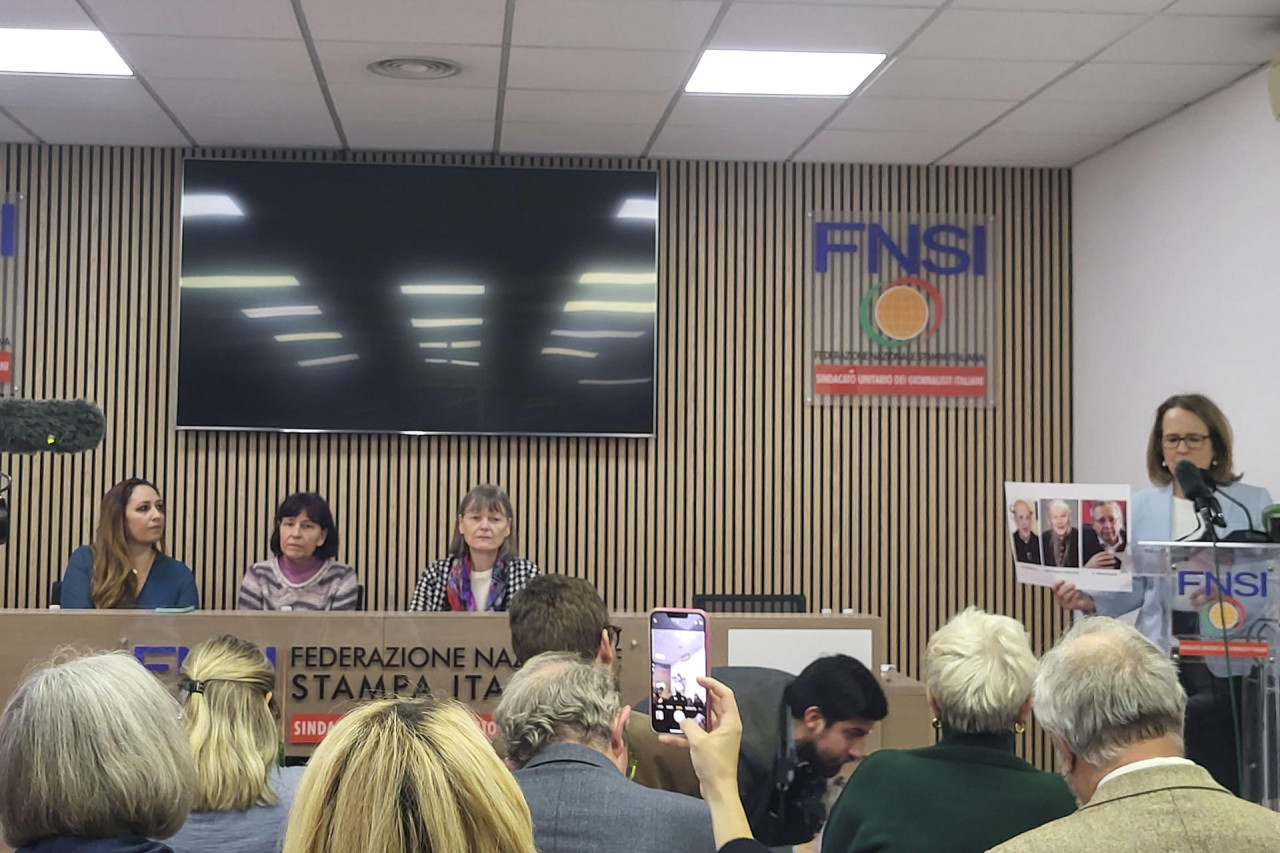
(978, 671)
(92, 747)
(486, 523)
(226, 690)
(132, 516)
(1105, 694)
(404, 776)
(304, 527)
(1190, 419)
(555, 613)
(835, 703)
(557, 697)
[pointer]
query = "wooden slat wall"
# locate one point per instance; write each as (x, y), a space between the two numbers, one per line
(891, 511)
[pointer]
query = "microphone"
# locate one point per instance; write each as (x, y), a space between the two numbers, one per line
(34, 426)
(56, 426)
(1196, 489)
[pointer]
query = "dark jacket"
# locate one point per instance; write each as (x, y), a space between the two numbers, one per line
(65, 844)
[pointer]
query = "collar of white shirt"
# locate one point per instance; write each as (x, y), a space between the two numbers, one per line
(1163, 761)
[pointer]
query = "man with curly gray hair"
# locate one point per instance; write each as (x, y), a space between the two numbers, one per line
(560, 724)
(1112, 704)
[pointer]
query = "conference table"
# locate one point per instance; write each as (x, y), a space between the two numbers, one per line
(326, 663)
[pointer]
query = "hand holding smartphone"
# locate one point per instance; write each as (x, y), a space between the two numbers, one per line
(678, 657)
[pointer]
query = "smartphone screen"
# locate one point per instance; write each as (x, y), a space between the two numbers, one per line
(677, 658)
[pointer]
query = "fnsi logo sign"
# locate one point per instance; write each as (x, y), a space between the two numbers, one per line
(901, 306)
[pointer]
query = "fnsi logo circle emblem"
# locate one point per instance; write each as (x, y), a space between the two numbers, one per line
(1227, 613)
(901, 312)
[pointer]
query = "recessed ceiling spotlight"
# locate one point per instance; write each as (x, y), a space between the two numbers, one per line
(415, 68)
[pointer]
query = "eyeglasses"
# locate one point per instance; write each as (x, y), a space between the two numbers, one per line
(1193, 440)
(615, 636)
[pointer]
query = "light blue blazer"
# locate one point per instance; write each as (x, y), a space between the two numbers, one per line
(1151, 520)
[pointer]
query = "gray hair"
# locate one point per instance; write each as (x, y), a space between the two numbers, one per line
(93, 747)
(556, 697)
(978, 668)
(1104, 687)
(1115, 507)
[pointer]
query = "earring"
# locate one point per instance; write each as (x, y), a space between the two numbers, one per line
(936, 723)
(1019, 727)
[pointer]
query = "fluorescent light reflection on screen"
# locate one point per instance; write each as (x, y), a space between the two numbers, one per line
(309, 336)
(575, 353)
(209, 204)
(78, 52)
(638, 208)
(461, 363)
(281, 311)
(607, 277)
(464, 345)
(606, 306)
(236, 282)
(641, 381)
(436, 360)
(332, 359)
(445, 322)
(442, 289)
(594, 335)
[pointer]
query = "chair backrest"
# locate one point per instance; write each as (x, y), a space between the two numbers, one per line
(55, 594)
(360, 597)
(750, 603)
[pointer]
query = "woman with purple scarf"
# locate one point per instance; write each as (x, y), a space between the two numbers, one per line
(482, 571)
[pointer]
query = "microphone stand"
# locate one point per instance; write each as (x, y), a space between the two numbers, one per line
(1210, 513)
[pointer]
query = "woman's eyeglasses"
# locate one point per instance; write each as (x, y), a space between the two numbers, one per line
(1194, 441)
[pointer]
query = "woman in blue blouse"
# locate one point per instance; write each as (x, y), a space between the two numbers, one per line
(126, 566)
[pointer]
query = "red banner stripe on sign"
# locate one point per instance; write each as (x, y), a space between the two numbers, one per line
(900, 380)
(311, 728)
(1214, 649)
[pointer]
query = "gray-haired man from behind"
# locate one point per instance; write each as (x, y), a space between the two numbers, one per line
(1113, 707)
(561, 724)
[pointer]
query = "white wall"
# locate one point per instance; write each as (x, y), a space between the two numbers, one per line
(1176, 254)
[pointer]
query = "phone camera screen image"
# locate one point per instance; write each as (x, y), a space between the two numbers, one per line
(678, 658)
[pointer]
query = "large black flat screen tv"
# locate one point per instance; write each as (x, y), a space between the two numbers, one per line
(435, 299)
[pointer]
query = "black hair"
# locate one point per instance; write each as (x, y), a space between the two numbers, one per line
(317, 509)
(841, 688)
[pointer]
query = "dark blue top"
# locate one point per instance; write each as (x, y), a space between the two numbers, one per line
(170, 583)
(94, 845)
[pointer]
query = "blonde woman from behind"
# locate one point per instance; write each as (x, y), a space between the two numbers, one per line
(408, 776)
(243, 800)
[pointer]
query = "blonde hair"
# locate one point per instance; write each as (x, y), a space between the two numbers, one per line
(91, 747)
(234, 735)
(408, 776)
(979, 668)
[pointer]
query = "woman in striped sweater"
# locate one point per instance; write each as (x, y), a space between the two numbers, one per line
(303, 574)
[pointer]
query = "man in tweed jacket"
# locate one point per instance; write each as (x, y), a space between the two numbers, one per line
(1113, 706)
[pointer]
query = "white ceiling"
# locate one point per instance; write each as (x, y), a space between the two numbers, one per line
(974, 82)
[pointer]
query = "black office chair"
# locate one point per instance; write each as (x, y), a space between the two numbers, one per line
(360, 597)
(750, 603)
(55, 594)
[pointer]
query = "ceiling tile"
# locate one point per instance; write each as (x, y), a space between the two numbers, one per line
(74, 93)
(1198, 39)
(190, 99)
(1018, 35)
(904, 4)
(217, 58)
(10, 132)
(633, 24)
(1154, 83)
(283, 131)
(348, 62)
(420, 135)
(1223, 7)
(375, 102)
(1132, 7)
(623, 108)
(598, 70)
(428, 21)
(266, 19)
(876, 146)
(735, 113)
(969, 79)
(1029, 149)
(769, 142)
(763, 26)
(918, 114)
(1045, 116)
(533, 137)
(44, 14)
(100, 126)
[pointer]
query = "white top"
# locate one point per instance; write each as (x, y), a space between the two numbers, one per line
(1185, 520)
(480, 583)
(1144, 764)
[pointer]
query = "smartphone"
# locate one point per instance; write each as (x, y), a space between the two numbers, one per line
(677, 658)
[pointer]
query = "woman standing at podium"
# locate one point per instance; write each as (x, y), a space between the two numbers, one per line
(126, 566)
(482, 571)
(1187, 427)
